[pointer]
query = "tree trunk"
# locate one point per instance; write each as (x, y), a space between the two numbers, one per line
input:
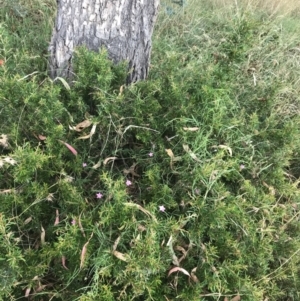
(124, 27)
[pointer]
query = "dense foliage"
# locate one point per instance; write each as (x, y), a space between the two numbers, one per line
(181, 187)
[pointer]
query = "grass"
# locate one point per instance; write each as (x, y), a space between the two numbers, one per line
(184, 186)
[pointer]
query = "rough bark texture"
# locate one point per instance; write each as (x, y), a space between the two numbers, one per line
(124, 27)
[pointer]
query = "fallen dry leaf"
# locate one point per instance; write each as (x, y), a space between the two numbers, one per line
(6, 190)
(63, 81)
(173, 158)
(42, 138)
(131, 170)
(170, 153)
(63, 262)
(4, 140)
(175, 260)
(71, 148)
(193, 129)
(27, 220)
(141, 228)
(83, 252)
(178, 269)
(27, 292)
(49, 197)
(141, 209)
(97, 165)
(1, 63)
(10, 160)
(56, 218)
(271, 188)
(193, 275)
(183, 251)
(43, 234)
(187, 149)
(236, 298)
(41, 287)
(107, 160)
(121, 90)
(229, 150)
(116, 243)
(92, 132)
(120, 256)
(82, 125)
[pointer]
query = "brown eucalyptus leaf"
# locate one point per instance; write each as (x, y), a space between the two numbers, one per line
(271, 188)
(236, 298)
(121, 90)
(41, 287)
(70, 147)
(27, 220)
(82, 125)
(141, 228)
(4, 191)
(173, 158)
(72, 128)
(83, 252)
(56, 218)
(97, 165)
(120, 256)
(42, 138)
(181, 249)
(187, 149)
(92, 132)
(10, 160)
(63, 262)
(193, 275)
(64, 82)
(4, 140)
(107, 160)
(131, 170)
(50, 197)
(141, 209)
(43, 234)
(170, 153)
(192, 129)
(27, 292)
(175, 260)
(84, 137)
(214, 269)
(229, 150)
(178, 269)
(116, 243)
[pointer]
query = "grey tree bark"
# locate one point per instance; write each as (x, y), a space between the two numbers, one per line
(124, 27)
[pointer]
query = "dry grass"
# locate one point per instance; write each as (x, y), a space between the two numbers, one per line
(273, 7)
